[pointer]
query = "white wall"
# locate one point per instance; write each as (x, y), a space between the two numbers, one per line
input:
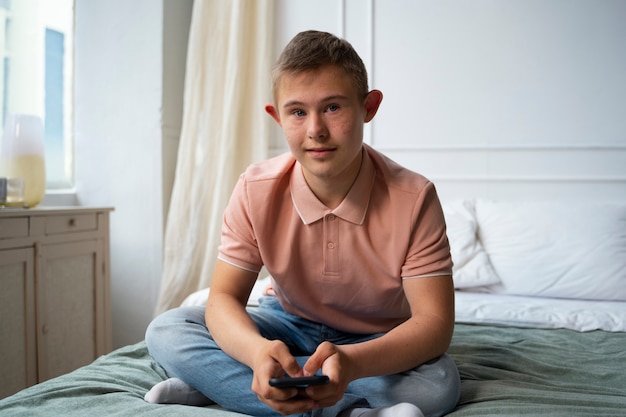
(130, 60)
(498, 99)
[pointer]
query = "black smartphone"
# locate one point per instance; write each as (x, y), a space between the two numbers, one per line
(300, 382)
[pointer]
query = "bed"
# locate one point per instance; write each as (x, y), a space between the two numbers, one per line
(541, 323)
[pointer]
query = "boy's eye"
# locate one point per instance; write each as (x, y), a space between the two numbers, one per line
(298, 113)
(332, 108)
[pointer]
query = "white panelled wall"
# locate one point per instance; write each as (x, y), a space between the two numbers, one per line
(510, 100)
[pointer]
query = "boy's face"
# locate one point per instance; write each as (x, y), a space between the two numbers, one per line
(322, 116)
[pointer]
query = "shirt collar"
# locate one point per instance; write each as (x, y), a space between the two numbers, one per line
(353, 207)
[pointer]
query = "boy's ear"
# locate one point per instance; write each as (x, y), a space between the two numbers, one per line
(372, 102)
(272, 111)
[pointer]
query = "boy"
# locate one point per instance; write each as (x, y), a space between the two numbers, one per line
(359, 259)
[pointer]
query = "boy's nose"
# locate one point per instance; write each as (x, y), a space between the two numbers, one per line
(317, 128)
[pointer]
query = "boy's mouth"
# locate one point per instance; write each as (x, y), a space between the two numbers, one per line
(320, 152)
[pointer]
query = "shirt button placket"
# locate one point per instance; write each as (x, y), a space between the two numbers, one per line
(331, 256)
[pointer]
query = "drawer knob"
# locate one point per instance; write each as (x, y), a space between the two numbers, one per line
(72, 222)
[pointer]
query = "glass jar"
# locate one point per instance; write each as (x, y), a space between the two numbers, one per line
(23, 155)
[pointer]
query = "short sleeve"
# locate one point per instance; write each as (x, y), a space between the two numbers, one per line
(428, 253)
(238, 242)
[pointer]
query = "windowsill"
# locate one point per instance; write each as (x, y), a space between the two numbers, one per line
(65, 197)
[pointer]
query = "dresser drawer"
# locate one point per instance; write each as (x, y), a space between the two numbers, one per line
(71, 223)
(14, 227)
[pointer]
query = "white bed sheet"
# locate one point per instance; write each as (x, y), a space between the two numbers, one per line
(200, 297)
(539, 312)
(508, 310)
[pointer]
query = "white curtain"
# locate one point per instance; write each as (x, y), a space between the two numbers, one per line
(224, 129)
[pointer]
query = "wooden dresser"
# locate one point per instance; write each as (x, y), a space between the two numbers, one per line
(54, 292)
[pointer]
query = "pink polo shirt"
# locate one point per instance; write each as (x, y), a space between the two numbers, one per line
(342, 267)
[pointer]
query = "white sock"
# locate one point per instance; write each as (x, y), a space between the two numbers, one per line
(398, 410)
(175, 391)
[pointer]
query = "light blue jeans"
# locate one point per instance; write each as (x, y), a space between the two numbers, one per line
(179, 341)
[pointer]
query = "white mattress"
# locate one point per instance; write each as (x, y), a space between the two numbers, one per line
(508, 310)
(539, 312)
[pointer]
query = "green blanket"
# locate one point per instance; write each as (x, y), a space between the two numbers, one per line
(518, 372)
(504, 372)
(113, 385)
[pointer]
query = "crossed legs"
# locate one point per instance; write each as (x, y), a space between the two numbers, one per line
(180, 342)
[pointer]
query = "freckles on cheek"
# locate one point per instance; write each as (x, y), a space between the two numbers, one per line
(346, 129)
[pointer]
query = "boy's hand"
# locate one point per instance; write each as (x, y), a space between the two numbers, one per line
(274, 360)
(335, 364)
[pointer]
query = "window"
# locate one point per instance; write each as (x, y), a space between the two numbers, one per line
(36, 77)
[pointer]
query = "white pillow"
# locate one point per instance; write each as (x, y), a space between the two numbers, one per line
(471, 266)
(556, 249)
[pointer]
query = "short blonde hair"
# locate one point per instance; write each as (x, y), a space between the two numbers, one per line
(312, 49)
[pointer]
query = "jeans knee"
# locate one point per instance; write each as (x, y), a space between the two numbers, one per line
(155, 334)
(433, 387)
(445, 386)
(151, 333)
(169, 328)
